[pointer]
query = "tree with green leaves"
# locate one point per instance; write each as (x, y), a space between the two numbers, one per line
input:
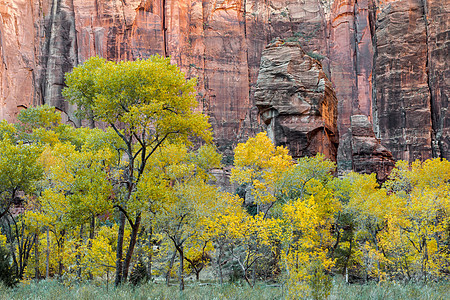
(148, 103)
(20, 169)
(189, 200)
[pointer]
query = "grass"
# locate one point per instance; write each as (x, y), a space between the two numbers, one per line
(391, 290)
(53, 289)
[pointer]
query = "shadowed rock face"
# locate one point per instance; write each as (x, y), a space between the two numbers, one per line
(386, 59)
(402, 93)
(296, 101)
(437, 14)
(412, 74)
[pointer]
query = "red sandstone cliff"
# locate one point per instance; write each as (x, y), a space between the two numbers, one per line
(387, 59)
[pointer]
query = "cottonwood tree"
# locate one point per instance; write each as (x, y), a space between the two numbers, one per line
(306, 209)
(19, 168)
(19, 171)
(75, 188)
(224, 226)
(250, 242)
(74, 191)
(368, 207)
(148, 103)
(189, 200)
(416, 240)
(258, 164)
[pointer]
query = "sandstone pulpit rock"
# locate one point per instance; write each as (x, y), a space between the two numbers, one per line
(297, 101)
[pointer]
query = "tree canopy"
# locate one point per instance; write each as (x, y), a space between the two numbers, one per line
(139, 197)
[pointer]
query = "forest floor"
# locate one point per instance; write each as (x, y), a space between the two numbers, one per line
(53, 289)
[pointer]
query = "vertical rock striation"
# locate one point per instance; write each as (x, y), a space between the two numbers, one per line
(403, 99)
(351, 55)
(218, 41)
(59, 53)
(386, 59)
(18, 57)
(437, 19)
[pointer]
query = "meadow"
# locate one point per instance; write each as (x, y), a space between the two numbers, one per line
(53, 289)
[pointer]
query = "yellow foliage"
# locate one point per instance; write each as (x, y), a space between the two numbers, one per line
(2, 240)
(260, 164)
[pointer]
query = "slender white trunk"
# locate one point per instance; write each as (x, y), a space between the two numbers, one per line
(47, 265)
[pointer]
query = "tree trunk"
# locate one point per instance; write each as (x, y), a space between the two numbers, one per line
(172, 260)
(246, 278)
(150, 247)
(348, 257)
(219, 262)
(424, 259)
(119, 251)
(19, 248)
(91, 237)
(91, 118)
(254, 274)
(61, 247)
(78, 256)
(47, 264)
(133, 239)
(180, 270)
(378, 263)
(92, 229)
(36, 256)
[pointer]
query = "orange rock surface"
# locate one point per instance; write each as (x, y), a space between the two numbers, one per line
(386, 59)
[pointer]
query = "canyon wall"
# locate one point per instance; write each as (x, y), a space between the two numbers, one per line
(386, 59)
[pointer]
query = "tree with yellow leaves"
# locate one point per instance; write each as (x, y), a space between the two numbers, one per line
(416, 241)
(368, 206)
(258, 165)
(76, 185)
(223, 227)
(75, 190)
(306, 211)
(304, 250)
(189, 200)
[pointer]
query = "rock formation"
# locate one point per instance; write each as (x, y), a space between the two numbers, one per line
(296, 101)
(387, 59)
(368, 155)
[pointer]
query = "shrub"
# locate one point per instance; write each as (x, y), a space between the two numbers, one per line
(291, 39)
(316, 56)
(139, 274)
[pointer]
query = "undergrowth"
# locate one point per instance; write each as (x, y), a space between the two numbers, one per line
(53, 289)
